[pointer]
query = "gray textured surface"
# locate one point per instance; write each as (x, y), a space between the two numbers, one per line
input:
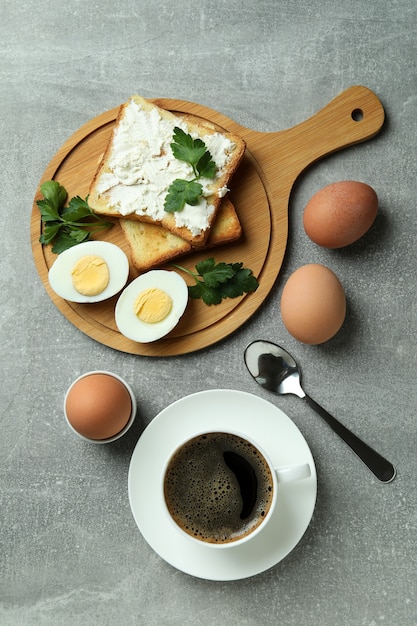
(70, 552)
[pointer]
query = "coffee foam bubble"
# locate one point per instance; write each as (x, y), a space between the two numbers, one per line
(204, 495)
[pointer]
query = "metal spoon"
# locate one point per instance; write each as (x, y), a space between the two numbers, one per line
(275, 369)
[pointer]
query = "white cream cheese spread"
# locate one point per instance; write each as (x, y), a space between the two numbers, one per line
(142, 167)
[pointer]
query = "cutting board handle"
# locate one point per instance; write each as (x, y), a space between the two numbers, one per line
(353, 116)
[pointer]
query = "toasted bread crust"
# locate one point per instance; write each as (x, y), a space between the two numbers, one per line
(101, 202)
(151, 245)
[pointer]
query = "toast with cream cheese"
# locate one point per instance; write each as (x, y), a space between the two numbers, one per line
(138, 167)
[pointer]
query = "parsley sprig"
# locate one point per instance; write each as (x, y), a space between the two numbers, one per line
(195, 153)
(217, 281)
(66, 226)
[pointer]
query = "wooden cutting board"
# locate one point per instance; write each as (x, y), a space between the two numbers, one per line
(260, 191)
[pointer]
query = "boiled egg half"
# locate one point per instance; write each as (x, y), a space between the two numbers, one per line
(89, 272)
(151, 306)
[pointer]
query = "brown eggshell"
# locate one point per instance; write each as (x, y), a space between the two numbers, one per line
(98, 406)
(340, 213)
(313, 304)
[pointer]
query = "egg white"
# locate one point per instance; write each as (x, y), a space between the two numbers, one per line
(135, 329)
(60, 278)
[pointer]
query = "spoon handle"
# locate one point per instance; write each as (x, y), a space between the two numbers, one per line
(380, 467)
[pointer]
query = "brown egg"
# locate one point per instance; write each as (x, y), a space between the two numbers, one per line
(98, 406)
(340, 213)
(313, 304)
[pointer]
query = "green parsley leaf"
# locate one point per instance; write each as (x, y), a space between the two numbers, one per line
(185, 148)
(182, 192)
(214, 274)
(66, 226)
(195, 153)
(206, 166)
(49, 232)
(54, 194)
(217, 281)
(241, 282)
(69, 238)
(48, 213)
(76, 210)
(209, 295)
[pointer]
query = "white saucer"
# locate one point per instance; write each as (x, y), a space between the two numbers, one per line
(275, 433)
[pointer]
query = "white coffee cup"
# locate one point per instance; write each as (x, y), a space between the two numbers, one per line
(213, 478)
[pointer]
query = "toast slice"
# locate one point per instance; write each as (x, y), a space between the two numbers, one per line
(138, 166)
(152, 245)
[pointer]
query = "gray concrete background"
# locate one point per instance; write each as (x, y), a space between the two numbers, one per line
(70, 551)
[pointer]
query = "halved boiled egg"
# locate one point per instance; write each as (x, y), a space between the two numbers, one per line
(89, 272)
(151, 306)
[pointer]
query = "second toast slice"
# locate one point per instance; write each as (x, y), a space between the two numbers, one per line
(152, 245)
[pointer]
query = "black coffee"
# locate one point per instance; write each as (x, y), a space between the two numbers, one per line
(218, 487)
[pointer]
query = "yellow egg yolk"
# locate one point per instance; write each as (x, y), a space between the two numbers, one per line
(152, 305)
(90, 275)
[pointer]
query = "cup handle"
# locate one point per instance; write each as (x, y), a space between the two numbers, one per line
(293, 472)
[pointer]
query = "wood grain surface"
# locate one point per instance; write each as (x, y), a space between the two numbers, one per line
(260, 192)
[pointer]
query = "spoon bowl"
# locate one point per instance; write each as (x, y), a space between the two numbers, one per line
(275, 369)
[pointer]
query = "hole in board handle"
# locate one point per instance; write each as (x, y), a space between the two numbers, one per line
(357, 115)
